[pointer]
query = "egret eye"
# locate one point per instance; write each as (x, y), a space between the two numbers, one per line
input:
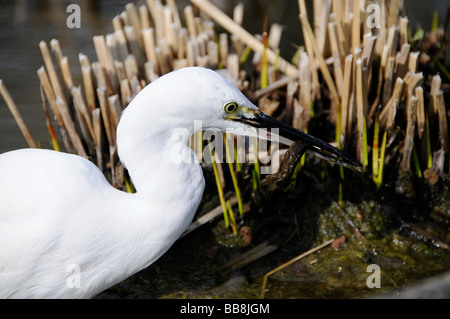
(230, 107)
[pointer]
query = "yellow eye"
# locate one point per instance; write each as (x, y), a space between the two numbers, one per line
(230, 107)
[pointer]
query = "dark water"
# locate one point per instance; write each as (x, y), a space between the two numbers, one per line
(24, 23)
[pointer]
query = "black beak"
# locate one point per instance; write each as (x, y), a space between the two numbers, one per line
(313, 145)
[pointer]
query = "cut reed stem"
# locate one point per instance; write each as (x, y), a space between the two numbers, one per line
(17, 116)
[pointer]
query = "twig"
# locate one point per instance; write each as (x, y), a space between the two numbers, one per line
(17, 116)
(290, 262)
(273, 86)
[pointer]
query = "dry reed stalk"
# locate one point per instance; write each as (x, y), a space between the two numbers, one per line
(321, 10)
(70, 126)
(401, 60)
(388, 112)
(86, 72)
(106, 116)
(343, 45)
(368, 48)
(50, 95)
(150, 45)
(150, 72)
(213, 54)
(382, 32)
(368, 56)
(82, 127)
(162, 58)
(291, 89)
(413, 61)
(356, 24)
(172, 34)
(17, 116)
(274, 38)
(105, 58)
(190, 21)
(347, 25)
(273, 86)
(297, 117)
(111, 44)
(268, 105)
(134, 44)
(182, 40)
(135, 21)
(321, 61)
(115, 109)
(80, 105)
(117, 23)
(120, 70)
(403, 30)
(125, 92)
(315, 86)
(54, 80)
(89, 87)
(394, 12)
(57, 52)
(97, 126)
(122, 44)
(420, 111)
(124, 18)
(337, 67)
(244, 36)
(360, 106)
(303, 108)
(131, 67)
(151, 4)
(233, 65)
(66, 73)
(392, 41)
(338, 34)
(434, 89)
(442, 116)
(99, 75)
(411, 82)
(112, 164)
(176, 14)
(405, 165)
(388, 80)
(144, 17)
(48, 122)
(345, 98)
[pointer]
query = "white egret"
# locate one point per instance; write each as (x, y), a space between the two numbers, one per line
(65, 232)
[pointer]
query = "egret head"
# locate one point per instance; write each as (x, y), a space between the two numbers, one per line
(196, 98)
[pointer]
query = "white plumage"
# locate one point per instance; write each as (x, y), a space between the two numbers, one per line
(59, 214)
(65, 232)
